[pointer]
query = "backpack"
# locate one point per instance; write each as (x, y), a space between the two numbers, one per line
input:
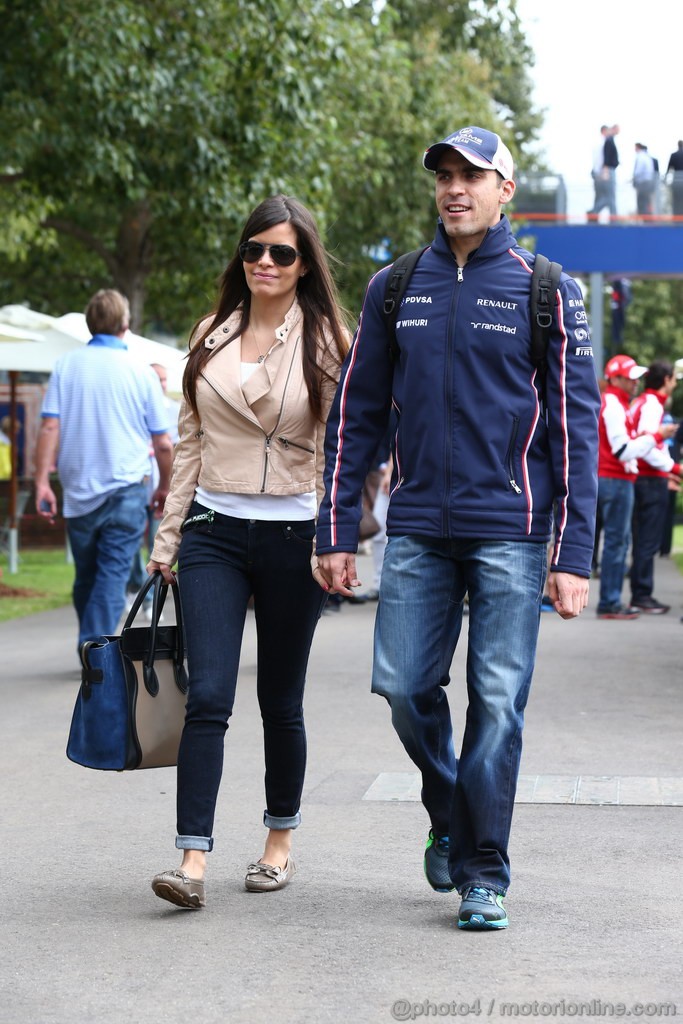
(544, 283)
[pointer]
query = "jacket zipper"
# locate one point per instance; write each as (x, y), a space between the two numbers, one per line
(510, 455)
(265, 464)
(397, 463)
(269, 437)
(450, 342)
(292, 444)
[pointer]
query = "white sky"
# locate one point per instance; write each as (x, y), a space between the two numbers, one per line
(606, 62)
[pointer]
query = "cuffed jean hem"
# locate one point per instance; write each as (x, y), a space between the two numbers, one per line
(281, 823)
(194, 843)
(498, 889)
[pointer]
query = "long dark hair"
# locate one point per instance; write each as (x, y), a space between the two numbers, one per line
(316, 292)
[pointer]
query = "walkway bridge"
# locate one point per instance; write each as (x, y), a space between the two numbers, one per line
(601, 248)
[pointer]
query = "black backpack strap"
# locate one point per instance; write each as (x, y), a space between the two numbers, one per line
(544, 284)
(397, 283)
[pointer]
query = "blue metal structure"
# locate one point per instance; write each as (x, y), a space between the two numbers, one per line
(602, 251)
(620, 250)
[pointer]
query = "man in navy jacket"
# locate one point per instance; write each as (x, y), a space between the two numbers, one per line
(482, 467)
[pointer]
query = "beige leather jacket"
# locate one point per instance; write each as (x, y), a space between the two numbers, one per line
(258, 438)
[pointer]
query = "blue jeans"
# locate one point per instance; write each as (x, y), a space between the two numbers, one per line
(424, 581)
(651, 502)
(103, 543)
(138, 574)
(221, 564)
(615, 505)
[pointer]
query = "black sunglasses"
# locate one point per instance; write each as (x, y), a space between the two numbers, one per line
(283, 255)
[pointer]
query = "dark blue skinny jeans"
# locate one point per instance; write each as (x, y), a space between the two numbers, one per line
(221, 564)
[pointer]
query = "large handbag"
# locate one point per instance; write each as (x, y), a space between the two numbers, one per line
(130, 709)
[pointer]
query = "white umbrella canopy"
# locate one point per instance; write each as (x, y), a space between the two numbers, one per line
(29, 341)
(51, 336)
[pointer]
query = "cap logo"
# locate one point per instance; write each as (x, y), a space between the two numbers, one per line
(466, 135)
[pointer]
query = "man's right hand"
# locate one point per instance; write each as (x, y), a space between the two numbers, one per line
(338, 570)
(46, 502)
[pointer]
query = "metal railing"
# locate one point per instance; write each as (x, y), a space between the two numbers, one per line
(551, 198)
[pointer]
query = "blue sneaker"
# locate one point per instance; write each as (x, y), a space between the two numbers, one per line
(436, 863)
(481, 908)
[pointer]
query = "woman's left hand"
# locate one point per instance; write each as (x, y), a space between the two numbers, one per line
(317, 575)
(165, 570)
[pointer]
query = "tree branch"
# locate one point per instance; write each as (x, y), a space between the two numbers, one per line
(66, 227)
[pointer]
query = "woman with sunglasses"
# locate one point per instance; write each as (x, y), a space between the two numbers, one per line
(240, 519)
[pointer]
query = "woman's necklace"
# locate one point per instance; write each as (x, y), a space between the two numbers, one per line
(261, 355)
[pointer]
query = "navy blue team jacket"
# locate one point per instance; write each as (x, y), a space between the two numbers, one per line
(474, 456)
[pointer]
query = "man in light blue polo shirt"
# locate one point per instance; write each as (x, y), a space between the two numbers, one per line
(99, 411)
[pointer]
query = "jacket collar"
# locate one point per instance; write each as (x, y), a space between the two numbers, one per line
(223, 371)
(619, 393)
(107, 341)
(660, 398)
(497, 240)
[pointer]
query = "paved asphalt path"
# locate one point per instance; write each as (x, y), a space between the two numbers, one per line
(595, 907)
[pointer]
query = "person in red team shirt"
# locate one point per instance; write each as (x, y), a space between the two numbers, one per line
(651, 489)
(617, 470)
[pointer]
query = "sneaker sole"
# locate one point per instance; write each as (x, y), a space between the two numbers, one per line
(480, 924)
(615, 615)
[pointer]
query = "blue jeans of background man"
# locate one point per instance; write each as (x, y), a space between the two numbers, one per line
(138, 573)
(615, 503)
(424, 581)
(650, 506)
(221, 564)
(103, 543)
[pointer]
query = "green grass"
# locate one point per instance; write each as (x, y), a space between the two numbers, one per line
(47, 577)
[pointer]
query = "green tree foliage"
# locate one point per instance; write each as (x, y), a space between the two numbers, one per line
(138, 136)
(654, 326)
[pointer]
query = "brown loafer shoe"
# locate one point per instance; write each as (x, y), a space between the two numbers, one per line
(177, 887)
(266, 878)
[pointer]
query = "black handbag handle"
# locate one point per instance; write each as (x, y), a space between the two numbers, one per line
(156, 581)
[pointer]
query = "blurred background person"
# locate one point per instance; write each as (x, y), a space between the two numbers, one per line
(99, 411)
(655, 466)
(618, 451)
(674, 172)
